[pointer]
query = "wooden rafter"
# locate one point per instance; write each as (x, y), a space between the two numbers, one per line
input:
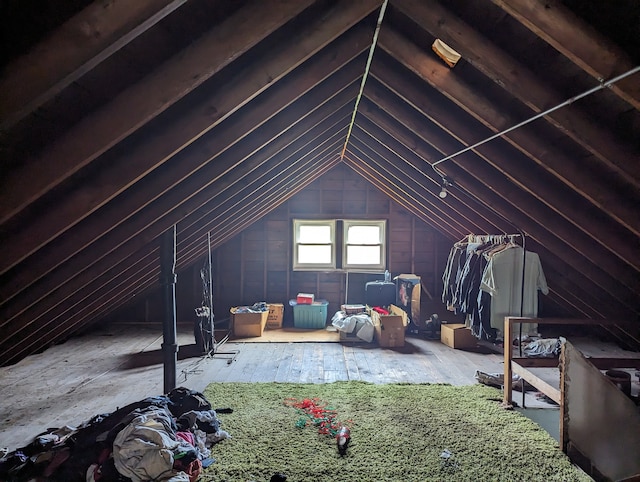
(578, 41)
(79, 45)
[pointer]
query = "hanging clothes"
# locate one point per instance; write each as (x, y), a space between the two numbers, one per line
(457, 255)
(483, 280)
(502, 280)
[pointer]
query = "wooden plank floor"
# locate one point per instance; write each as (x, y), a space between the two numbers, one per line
(113, 366)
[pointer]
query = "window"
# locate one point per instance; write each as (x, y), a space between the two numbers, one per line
(314, 244)
(339, 244)
(364, 245)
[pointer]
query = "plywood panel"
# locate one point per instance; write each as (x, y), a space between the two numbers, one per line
(598, 419)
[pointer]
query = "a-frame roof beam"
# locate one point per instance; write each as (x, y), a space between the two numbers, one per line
(576, 173)
(143, 101)
(192, 158)
(172, 206)
(83, 42)
(115, 289)
(521, 171)
(517, 206)
(479, 209)
(407, 184)
(412, 167)
(264, 173)
(578, 41)
(496, 179)
(379, 180)
(303, 173)
(124, 168)
(521, 82)
(383, 124)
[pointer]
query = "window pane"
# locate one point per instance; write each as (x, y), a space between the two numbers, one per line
(314, 234)
(361, 255)
(314, 254)
(363, 235)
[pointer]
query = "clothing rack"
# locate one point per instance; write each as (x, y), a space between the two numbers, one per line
(502, 238)
(498, 238)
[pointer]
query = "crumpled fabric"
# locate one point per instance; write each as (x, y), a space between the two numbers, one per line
(192, 469)
(359, 324)
(144, 449)
(544, 348)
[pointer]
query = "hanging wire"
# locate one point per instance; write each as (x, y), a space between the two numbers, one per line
(448, 182)
(364, 76)
(601, 86)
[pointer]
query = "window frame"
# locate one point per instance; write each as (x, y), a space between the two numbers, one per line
(382, 244)
(297, 266)
(339, 229)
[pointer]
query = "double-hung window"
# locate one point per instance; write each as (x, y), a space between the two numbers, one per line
(314, 244)
(349, 244)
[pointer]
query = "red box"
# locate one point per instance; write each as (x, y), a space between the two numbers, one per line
(305, 298)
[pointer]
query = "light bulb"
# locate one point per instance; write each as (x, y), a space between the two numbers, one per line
(443, 192)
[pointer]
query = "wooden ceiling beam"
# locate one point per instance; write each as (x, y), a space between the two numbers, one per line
(87, 302)
(251, 204)
(407, 184)
(514, 204)
(59, 322)
(123, 169)
(375, 132)
(577, 174)
(529, 176)
(38, 300)
(521, 83)
(124, 268)
(83, 42)
(578, 41)
(174, 206)
(354, 160)
(449, 121)
(379, 178)
(267, 169)
(389, 132)
(383, 124)
(143, 101)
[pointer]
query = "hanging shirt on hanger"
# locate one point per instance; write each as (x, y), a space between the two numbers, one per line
(502, 279)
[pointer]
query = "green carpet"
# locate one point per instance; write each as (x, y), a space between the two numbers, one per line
(399, 432)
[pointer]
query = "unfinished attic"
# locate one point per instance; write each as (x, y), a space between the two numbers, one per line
(168, 167)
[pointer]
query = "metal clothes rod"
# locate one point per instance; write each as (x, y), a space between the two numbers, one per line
(571, 100)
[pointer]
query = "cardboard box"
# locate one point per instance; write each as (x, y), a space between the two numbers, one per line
(390, 328)
(408, 289)
(457, 336)
(305, 298)
(276, 314)
(248, 324)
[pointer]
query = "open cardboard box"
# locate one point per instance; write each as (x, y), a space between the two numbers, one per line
(390, 328)
(457, 336)
(246, 325)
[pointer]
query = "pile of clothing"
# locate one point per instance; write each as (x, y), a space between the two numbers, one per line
(161, 438)
(258, 307)
(359, 324)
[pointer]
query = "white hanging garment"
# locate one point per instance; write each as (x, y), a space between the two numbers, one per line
(502, 279)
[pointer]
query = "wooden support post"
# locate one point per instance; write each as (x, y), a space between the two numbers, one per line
(168, 281)
(508, 348)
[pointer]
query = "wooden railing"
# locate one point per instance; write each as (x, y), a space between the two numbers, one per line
(519, 365)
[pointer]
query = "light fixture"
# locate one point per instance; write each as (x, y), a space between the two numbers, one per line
(445, 52)
(446, 182)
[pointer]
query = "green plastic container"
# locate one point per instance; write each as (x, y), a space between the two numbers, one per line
(313, 316)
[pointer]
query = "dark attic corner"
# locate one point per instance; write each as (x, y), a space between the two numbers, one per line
(210, 192)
